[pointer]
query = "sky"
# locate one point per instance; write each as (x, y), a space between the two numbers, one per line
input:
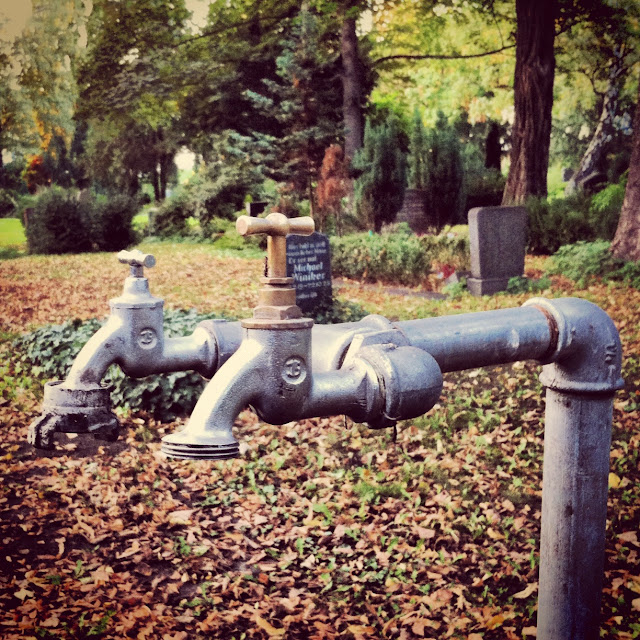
(17, 12)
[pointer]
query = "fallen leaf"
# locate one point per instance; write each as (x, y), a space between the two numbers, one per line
(182, 516)
(525, 593)
(270, 629)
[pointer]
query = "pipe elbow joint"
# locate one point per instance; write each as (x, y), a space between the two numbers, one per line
(587, 357)
(409, 379)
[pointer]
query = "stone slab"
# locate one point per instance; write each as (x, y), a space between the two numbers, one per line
(309, 264)
(498, 237)
(486, 286)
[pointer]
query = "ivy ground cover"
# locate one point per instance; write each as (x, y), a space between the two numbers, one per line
(323, 529)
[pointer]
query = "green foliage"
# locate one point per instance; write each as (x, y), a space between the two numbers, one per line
(395, 257)
(50, 351)
(217, 190)
(66, 221)
(444, 178)
(484, 188)
(56, 223)
(112, 222)
(520, 284)
(583, 261)
(579, 217)
(380, 162)
(338, 311)
(7, 203)
(418, 150)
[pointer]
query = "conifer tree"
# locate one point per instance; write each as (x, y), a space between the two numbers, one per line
(381, 162)
(444, 176)
(418, 149)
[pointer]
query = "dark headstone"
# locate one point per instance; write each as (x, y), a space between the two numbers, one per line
(567, 174)
(309, 264)
(414, 210)
(256, 208)
(498, 237)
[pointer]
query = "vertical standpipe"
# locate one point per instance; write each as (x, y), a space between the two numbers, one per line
(580, 348)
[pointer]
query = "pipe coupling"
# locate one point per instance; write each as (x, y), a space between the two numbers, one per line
(409, 378)
(588, 354)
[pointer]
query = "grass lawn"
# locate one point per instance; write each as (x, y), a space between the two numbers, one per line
(11, 234)
(324, 528)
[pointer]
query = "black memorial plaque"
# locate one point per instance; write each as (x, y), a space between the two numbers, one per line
(309, 264)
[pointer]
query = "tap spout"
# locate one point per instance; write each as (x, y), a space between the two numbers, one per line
(208, 434)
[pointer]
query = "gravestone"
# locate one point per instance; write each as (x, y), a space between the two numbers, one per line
(498, 237)
(255, 208)
(414, 210)
(309, 264)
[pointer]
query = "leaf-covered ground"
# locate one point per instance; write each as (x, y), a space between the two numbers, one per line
(324, 528)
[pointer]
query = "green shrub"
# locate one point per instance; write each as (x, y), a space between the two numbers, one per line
(379, 188)
(396, 256)
(583, 261)
(338, 311)
(170, 218)
(112, 222)
(484, 188)
(49, 352)
(374, 257)
(579, 217)
(444, 180)
(67, 221)
(56, 223)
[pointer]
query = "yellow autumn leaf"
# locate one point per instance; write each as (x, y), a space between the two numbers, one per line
(270, 629)
(525, 593)
(614, 481)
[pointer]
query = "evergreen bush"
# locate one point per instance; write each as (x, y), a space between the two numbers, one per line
(380, 162)
(67, 221)
(396, 257)
(57, 223)
(112, 222)
(444, 176)
(579, 217)
(583, 261)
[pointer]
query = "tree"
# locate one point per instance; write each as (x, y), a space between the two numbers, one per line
(45, 55)
(353, 83)
(306, 99)
(626, 242)
(417, 160)
(380, 185)
(333, 187)
(444, 176)
(129, 91)
(533, 100)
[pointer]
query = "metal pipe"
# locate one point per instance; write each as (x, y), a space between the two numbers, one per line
(577, 440)
(581, 379)
(484, 338)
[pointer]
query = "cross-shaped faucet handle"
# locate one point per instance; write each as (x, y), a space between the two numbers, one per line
(137, 261)
(277, 227)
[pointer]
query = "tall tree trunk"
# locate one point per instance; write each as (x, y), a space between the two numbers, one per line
(351, 87)
(533, 100)
(155, 180)
(593, 155)
(626, 243)
(493, 148)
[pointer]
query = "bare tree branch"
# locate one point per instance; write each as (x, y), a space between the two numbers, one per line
(435, 56)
